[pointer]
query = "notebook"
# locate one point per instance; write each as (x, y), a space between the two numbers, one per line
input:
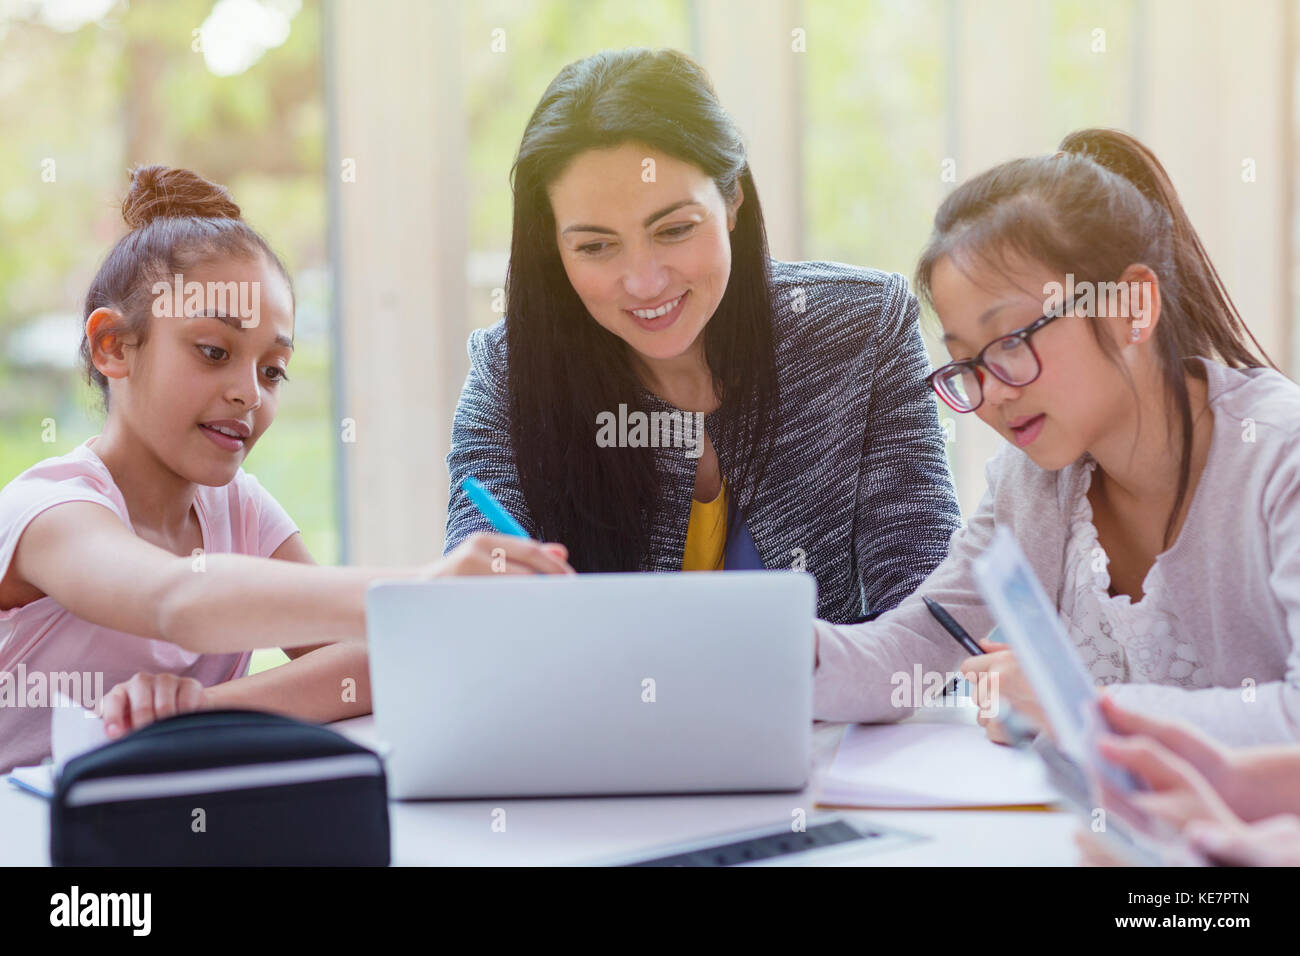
(942, 760)
(73, 731)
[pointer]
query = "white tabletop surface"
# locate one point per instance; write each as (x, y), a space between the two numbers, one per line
(592, 829)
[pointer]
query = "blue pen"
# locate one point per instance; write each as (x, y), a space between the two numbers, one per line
(492, 509)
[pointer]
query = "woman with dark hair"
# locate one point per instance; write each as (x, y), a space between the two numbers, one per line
(662, 395)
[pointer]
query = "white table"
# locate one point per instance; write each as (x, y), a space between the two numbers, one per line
(574, 831)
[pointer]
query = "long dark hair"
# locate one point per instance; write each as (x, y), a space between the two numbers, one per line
(564, 368)
(1100, 204)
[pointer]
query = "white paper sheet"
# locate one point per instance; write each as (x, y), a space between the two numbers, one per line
(73, 731)
(931, 765)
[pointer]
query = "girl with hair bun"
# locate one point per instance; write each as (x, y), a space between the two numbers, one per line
(1152, 465)
(146, 560)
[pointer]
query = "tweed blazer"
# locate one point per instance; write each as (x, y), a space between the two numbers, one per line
(858, 490)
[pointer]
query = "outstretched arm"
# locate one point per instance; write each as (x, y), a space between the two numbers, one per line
(83, 556)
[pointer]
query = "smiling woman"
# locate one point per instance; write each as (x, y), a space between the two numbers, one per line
(640, 279)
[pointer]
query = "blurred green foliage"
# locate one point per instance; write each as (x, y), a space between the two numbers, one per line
(80, 108)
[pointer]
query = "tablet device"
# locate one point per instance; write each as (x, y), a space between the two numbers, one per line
(1149, 843)
(1028, 621)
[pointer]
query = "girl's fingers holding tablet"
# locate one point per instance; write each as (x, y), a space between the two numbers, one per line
(1182, 739)
(1178, 793)
(1142, 755)
(1271, 842)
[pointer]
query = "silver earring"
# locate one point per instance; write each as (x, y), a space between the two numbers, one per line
(1136, 333)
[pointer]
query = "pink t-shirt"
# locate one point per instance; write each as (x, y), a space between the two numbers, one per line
(44, 647)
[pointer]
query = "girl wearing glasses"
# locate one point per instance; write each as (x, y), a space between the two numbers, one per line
(1152, 467)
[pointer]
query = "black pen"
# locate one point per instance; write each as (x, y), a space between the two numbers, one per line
(958, 634)
(952, 627)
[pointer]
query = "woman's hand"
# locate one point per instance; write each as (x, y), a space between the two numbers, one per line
(484, 553)
(145, 698)
(997, 681)
(1271, 842)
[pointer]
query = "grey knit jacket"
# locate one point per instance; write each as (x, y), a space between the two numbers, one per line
(858, 490)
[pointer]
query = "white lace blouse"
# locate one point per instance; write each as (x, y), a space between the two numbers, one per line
(1119, 641)
(1215, 639)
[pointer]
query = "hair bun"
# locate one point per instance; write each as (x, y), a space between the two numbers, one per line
(159, 192)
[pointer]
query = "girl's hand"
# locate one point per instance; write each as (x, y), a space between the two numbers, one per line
(1215, 763)
(1271, 842)
(996, 681)
(1095, 851)
(145, 698)
(484, 553)
(1178, 794)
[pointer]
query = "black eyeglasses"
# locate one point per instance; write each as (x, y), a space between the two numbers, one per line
(1011, 359)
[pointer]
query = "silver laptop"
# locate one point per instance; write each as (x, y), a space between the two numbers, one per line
(593, 684)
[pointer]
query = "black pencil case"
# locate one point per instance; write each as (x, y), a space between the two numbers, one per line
(222, 788)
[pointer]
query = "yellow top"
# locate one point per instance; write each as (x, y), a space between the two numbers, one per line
(706, 534)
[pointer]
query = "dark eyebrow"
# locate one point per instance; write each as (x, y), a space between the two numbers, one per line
(649, 220)
(983, 320)
(236, 323)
